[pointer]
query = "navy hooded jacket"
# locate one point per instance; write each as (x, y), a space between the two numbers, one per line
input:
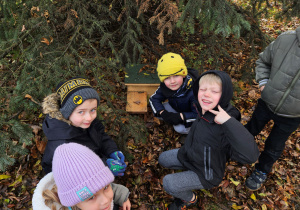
(181, 100)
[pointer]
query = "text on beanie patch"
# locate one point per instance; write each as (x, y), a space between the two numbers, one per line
(70, 85)
(84, 193)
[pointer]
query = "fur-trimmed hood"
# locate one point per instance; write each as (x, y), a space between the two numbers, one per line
(55, 126)
(47, 183)
(51, 107)
(38, 201)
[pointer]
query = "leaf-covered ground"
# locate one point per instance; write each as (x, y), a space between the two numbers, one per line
(144, 175)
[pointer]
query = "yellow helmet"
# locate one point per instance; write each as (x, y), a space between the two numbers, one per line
(170, 64)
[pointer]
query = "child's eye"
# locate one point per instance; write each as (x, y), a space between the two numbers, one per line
(91, 198)
(106, 187)
(80, 112)
(93, 110)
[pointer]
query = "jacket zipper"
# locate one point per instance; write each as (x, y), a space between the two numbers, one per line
(207, 170)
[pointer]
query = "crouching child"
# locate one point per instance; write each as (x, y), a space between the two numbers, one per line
(176, 87)
(215, 137)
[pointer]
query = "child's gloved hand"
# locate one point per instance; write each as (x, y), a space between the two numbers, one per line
(172, 118)
(118, 155)
(116, 167)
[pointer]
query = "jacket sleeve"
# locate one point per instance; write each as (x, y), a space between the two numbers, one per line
(234, 112)
(48, 154)
(190, 117)
(121, 193)
(263, 65)
(105, 143)
(156, 101)
(243, 146)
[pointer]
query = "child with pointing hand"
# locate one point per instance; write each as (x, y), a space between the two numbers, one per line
(215, 137)
(221, 116)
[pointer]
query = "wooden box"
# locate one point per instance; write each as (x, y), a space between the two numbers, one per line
(141, 81)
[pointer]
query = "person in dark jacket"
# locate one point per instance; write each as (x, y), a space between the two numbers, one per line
(176, 87)
(278, 75)
(215, 137)
(71, 116)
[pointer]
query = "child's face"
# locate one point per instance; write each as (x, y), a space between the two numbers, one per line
(99, 201)
(209, 95)
(174, 82)
(84, 114)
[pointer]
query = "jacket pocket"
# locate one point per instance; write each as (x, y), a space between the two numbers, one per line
(208, 171)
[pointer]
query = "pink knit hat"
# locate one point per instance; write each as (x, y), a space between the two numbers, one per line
(78, 173)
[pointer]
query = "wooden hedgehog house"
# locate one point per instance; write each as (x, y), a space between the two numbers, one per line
(141, 81)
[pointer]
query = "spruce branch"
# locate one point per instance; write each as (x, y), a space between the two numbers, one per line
(67, 47)
(25, 34)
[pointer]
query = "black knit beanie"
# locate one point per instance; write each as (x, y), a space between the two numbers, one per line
(74, 92)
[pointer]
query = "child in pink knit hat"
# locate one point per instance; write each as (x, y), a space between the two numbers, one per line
(79, 180)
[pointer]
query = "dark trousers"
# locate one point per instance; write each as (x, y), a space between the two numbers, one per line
(116, 207)
(275, 143)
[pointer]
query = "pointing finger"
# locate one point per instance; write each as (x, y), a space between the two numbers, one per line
(214, 112)
(220, 108)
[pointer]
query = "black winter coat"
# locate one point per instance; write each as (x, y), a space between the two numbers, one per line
(209, 146)
(59, 132)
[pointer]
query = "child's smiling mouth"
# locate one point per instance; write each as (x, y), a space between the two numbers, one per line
(206, 101)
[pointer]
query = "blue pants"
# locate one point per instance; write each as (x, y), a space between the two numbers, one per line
(275, 143)
(179, 185)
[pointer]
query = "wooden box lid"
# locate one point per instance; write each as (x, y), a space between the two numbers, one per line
(141, 74)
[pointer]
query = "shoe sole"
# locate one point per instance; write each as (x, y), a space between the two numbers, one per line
(254, 189)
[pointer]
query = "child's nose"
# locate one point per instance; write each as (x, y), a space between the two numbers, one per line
(104, 200)
(88, 116)
(206, 93)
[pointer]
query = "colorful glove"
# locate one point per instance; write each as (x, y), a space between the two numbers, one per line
(172, 118)
(118, 155)
(116, 167)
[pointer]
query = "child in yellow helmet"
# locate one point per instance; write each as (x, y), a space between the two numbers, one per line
(176, 82)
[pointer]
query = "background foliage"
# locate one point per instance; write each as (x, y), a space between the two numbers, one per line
(43, 42)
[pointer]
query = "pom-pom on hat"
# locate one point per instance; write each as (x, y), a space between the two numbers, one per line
(170, 64)
(78, 173)
(74, 92)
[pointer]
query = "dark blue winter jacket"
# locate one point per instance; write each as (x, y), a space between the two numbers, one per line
(181, 100)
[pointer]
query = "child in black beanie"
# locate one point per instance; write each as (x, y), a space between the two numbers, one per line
(71, 117)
